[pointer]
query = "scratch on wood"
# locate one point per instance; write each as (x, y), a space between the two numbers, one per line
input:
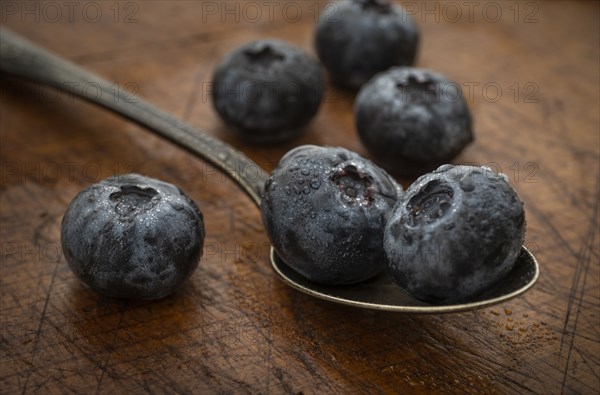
(583, 265)
(39, 328)
(111, 347)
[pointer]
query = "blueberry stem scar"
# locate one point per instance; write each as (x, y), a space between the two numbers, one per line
(378, 5)
(264, 55)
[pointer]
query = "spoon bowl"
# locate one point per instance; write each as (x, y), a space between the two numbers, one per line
(381, 293)
(21, 58)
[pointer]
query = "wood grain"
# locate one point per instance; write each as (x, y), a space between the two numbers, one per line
(235, 328)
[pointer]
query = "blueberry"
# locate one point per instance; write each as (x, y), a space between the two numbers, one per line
(268, 90)
(454, 233)
(324, 210)
(413, 120)
(132, 237)
(360, 38)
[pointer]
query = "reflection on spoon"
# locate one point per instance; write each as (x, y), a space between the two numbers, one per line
(22, 58)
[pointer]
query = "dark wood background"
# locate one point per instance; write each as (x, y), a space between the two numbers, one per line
(235, 327)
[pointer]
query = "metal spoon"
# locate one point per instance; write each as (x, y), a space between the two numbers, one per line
(22, 58)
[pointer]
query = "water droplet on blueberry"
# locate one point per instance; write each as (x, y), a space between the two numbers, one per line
(177, 206)
(466, 183)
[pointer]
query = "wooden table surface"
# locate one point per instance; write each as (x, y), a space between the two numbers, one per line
(530, 72)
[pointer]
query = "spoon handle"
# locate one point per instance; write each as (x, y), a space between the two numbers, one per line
(24, 59)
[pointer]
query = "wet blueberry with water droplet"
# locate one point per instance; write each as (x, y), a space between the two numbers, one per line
(132, 236)
(335, 234)
(268, 90)
(412, 120)
(454, 233)
(358, 38)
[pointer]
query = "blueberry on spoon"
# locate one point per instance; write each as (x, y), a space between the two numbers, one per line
(324, 210)
(454, 233)
(268, 90)
(132, 237)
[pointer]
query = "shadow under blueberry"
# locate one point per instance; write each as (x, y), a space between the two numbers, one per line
(126, 328)
(353, 341)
